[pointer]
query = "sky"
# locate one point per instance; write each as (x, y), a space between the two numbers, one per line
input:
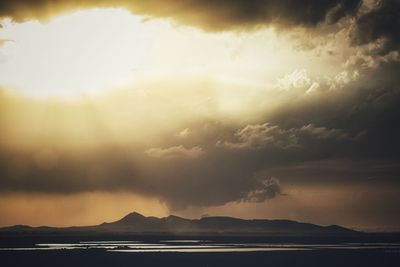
(276, 109)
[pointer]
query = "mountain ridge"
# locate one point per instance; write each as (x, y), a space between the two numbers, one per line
(136, 223)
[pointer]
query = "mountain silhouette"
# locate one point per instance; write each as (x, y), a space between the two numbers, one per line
(135, 223)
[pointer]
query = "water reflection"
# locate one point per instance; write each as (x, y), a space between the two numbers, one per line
(192, 246)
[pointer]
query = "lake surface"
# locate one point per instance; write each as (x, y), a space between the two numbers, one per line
(199, 246)
(211, 251)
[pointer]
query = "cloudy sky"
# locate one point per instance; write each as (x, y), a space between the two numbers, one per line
(248, 108)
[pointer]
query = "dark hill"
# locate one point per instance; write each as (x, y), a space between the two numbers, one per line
(137, 223)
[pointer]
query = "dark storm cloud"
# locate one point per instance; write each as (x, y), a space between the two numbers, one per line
(344, 135)
(264, 135)
(342, 171)
(225, 15)
(355, 126)
(179, 182)
(208, 14)
(367, 108)
(51, 170)
(269, 188)
(380, 24)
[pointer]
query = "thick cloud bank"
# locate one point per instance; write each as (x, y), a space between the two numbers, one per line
(208, 14)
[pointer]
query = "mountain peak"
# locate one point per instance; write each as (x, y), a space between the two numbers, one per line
(133, 216)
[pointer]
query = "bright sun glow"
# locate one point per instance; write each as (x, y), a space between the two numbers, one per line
(90, 51)
(93, 50)
(83, 52)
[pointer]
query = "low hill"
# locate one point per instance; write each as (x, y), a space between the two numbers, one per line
(135, 223)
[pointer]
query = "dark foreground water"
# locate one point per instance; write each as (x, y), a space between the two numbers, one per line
(204, 251)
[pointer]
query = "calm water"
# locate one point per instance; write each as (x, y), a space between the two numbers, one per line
(199, 246)
(122, 251)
